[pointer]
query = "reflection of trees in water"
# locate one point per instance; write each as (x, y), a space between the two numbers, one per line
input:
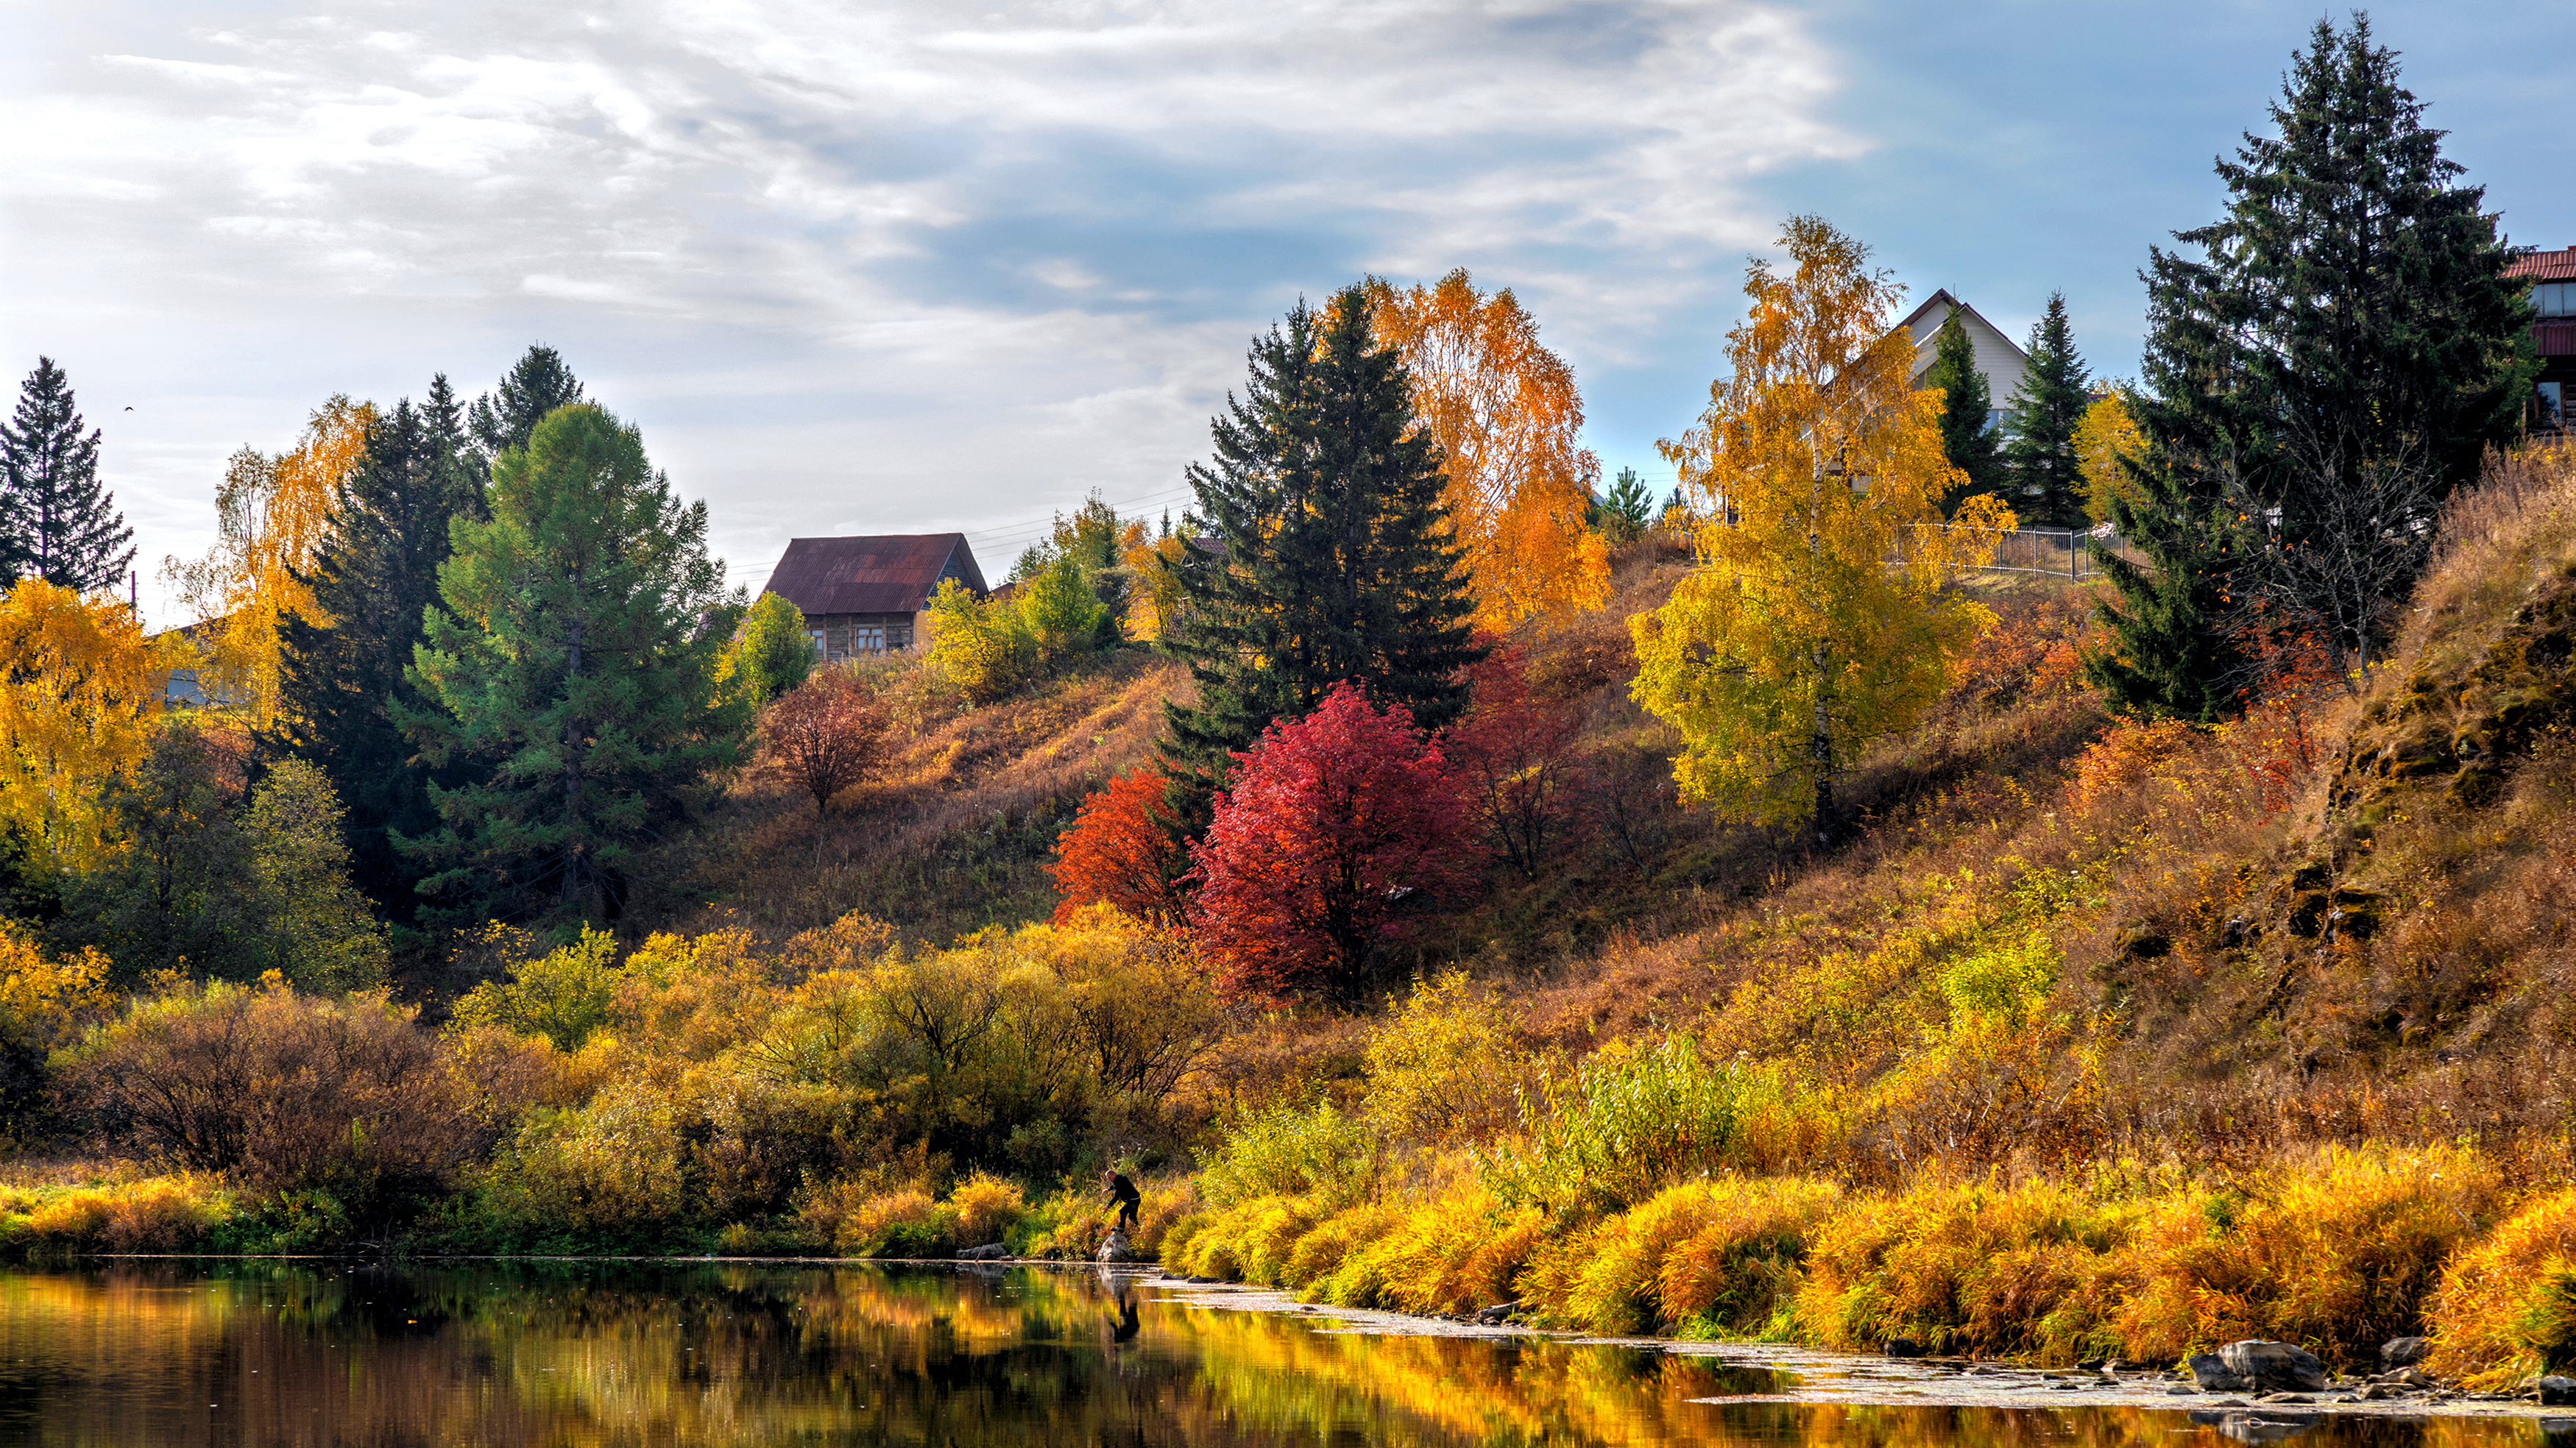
(588, 1353)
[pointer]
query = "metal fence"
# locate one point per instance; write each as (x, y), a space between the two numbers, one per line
(2064, 552)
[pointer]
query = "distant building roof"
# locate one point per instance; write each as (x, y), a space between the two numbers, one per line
(2544, 266)
(1999, 361)
(888, 573)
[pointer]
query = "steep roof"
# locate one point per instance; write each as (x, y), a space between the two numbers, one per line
(886, 573)
(1998, 360)
(2544, 266)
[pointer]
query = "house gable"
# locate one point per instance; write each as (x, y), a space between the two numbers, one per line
(1998, 360)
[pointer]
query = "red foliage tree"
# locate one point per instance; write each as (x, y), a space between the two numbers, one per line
(824, 736)
(1123, 849)
(1329, 824)
(1514, 759)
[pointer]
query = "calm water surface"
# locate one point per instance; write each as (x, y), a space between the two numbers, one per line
(682, 1354)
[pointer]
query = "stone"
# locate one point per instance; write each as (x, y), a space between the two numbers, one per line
(2556, 1392)
(2211, 1374)
(989, 1252)
(2403, 1352)
(1497, 1313)
(1114, 1248)
(1904, 1347)
(2279, 1366)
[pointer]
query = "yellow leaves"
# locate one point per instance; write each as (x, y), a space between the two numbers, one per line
(1507, 414)
(271, 515)
(2107, 434)
(45, 1000)
(1821, 616)
(82, 689)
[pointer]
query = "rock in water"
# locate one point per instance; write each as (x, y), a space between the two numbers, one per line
(2556, 1392)
(2213, 1375)
(1904, 1347)
(989, 1252)
(2277, 1366)
(1115, 1249)
(2402, 1352)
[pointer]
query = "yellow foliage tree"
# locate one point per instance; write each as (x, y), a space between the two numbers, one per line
(1507, 414)
(2108, 433)
(1821, 614)
(82, 687)
(271, 514)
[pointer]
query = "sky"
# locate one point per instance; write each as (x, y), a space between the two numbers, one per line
(906, 267)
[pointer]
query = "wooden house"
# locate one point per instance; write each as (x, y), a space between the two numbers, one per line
(864, 596)
(1998, 360)
(2552, 275)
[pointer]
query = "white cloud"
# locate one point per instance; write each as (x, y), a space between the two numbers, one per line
(903, 264)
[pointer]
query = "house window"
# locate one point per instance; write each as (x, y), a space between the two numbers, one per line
(2553, 404)
(867, 640)
(1994, 419)
(2555, 299)
(814, 636)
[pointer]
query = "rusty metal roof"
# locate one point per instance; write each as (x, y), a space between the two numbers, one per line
(890, 573)
(2544, 266)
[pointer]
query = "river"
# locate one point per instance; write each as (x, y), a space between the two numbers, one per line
(267, 1352)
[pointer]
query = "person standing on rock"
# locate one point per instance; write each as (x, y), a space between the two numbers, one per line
(1124, 1193)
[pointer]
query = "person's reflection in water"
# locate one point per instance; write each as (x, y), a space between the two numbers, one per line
(1123, 1327)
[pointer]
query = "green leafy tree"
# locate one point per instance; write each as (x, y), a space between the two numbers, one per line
(313, 924)
(1063, 615)
(2039, 453)
(373, 579)
(771, 653)
(57, 520)
(535, 386)
(1627, 508)
(1967, 412)
(2347, 320)
(1337, 559)
(981, 644)
(567, 671)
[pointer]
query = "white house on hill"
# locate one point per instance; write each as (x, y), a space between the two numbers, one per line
(1998, 359)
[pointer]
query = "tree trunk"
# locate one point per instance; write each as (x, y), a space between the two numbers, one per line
(1820, 748)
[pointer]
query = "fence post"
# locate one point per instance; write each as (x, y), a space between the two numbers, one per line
(2071, 574)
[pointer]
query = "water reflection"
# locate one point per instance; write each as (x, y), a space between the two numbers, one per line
(588, 1353)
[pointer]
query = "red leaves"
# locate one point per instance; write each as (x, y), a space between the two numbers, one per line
(1514, 759)
(824, 735)
(1332, 822)
(1122, 849)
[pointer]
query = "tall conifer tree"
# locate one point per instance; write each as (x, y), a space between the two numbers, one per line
(1337, 561)
(567, 673)
(2349, 313)
(2039, 453)
(373, 578)
(535, 385)
(1967, 412)
(57, 520)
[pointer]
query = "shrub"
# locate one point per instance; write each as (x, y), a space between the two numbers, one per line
(1606, 1276)
(1286, 1152)
(1739, 1274)
(563, 996)
(859, 1221)
(1122, 850)
(1457, 1250)
(2507, 1306)
(2338, 1251)
(614, 1164)
(1629, 1122)
(1446, 1067)
(986, 1208)
(278, 1090)
(982, 645)
(1983, 1267)
(144, 1214)
(824, 736)
(1326, 826)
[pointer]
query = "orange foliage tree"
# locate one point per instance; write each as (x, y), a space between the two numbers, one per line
(1122, 849)
(1507, 414)
(824, 735)
(271, 513)
(80, 688)
(1329, 824)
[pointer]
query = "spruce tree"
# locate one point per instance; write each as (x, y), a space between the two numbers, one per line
(2039, 453)
(1336, 562)
(568, 676)
(536, 384)
(2348, 317)
(1967, 409)
(374, 577)
(57, 520)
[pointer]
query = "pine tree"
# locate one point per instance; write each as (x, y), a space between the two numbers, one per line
(567, 672)
(2349, 315)
(536, 385)
(2046, 410)
(373, 578)
(1336, 559)
(1627, 508)
(57, 521)
(1967, 412)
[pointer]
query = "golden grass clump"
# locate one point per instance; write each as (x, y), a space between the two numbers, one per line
(1607, 1276)
(1457, 1250)
(2507, 1306)
(145, 1214)
(1739, 1274)
(2337, 1251)
(1986, 1267)
(986, 1208)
